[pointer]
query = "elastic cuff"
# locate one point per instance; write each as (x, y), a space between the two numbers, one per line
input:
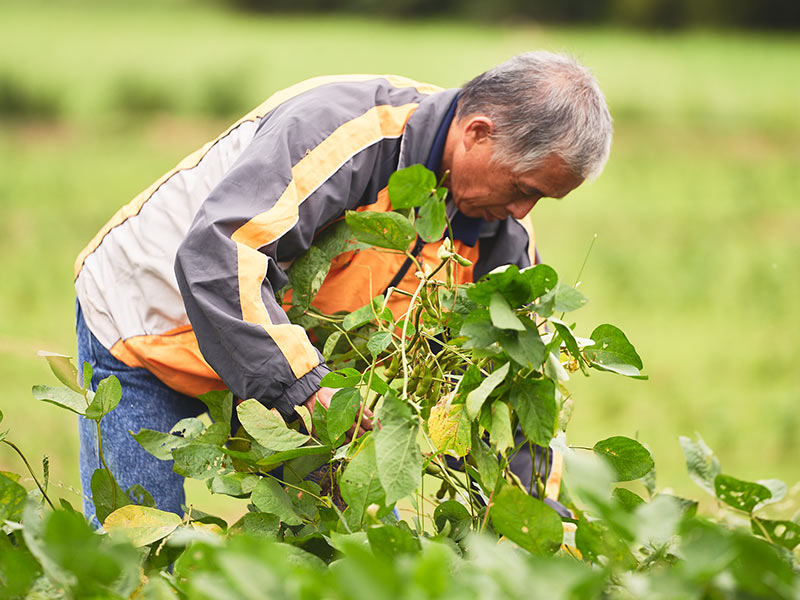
(300, 391)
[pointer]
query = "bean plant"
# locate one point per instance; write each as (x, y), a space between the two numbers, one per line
(466, 379)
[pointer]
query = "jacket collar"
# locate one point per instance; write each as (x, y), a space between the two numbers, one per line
(422, 127)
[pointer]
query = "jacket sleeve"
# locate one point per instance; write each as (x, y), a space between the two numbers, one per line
(288, 183)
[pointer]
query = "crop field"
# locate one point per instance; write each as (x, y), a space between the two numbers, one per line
(697, 215)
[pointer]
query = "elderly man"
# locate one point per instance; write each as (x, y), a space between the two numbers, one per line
(176, 293)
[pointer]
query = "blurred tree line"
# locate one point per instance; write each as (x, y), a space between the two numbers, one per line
(671, 14)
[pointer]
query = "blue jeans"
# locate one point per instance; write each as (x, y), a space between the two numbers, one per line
(146, 403)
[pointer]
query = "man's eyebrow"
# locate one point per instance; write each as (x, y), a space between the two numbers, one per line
(530, 190)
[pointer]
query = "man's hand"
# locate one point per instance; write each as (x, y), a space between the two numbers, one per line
(324, 395)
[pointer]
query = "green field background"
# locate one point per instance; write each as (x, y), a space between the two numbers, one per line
(697, 215)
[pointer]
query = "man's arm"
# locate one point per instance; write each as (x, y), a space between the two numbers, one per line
(287, 184)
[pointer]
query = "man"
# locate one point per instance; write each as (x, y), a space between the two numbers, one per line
(176, 292)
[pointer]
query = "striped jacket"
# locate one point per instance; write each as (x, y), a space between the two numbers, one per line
(182, 280)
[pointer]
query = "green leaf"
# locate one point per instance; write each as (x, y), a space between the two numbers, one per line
(233, 484)
(78, 561)
(141, 525)
(159, 444)
(319, 417)
(397, 455)
(534, 401)
(343, 411)
(389, 541)
(306, 276)
(385, 230)
(523, 347)
(500, 434)
(503, 317)
(431, 220)
(366, 314)
(63, 369)
(140, 496)
(337, 239)
(267, 427)
(701, 463)
(477, 327)
(742, 495)
(455, 513)
(378, 342)
(411, 186)
(18, 569)
(478, 396)
(528, 522)
(782, 533)
(220, 405)
(568, 338)
(486, 461)
(107, 496)
(87, 376)
(330, 344)
(279, 457)
(199, 461)
(508, 281)
(258, 524)
(541, 279)
(377, 384)
(598, 544)
(63, 397)
(106, 398)
(12, 499)
(613, 352)
(472, 379)
(629, 459)
(215, 434)
(343, 378)
(627, 499)
(359, 484)
(568, 299)
(449, 428)
(270, 497)
(190, 428)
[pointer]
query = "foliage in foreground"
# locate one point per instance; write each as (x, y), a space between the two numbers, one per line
(464, 381)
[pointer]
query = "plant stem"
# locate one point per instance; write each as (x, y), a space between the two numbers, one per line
(757, 521)
(111, 479)
(403, 356)
(585, 259)
(488, 508)
(30, 470)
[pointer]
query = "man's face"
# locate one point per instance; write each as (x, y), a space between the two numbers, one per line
(493, 192)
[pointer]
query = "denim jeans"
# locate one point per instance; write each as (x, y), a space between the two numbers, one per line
(146, 403)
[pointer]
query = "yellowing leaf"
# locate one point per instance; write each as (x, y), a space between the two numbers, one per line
(208, 527)
(449, 428)
(141, 525)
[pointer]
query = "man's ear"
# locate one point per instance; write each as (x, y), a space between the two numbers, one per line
(477, 129)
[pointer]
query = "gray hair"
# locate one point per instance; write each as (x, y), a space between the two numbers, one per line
(541, 104)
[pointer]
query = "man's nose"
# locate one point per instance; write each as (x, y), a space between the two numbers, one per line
(519, 209)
